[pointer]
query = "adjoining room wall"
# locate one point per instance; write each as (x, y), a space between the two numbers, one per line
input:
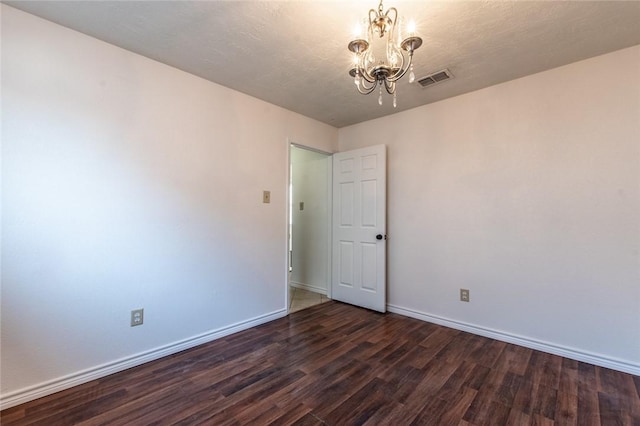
(129, 184)
(310, 236)
(526, 193)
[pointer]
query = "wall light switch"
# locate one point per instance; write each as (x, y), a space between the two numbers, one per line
(266, 197)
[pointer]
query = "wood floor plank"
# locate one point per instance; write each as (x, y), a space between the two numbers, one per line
(488, 353)
(446, 411)
(544, 369)
(335, 364)
(360, 406)
(569, 377)
(636, 381)
(612, 382)
(427, 383)
(457, 405)
(515, 359)
(478, 376)
(291, 415)
(459, 379)
(588, 403)
(386, 414)
(490, 397)
(566, 409)
(325, 400)
(308, 420)
(517, 418)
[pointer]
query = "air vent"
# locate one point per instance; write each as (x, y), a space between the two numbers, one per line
(436, 77)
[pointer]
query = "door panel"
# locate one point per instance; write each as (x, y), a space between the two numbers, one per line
(359, 214)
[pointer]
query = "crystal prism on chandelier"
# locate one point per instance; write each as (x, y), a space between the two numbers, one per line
(380, 61)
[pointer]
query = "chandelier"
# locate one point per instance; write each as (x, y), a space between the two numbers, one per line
(379, 58)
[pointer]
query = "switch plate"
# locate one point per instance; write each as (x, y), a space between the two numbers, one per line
(301, 205)
(266, 197)
(137, 317)
(464, 295)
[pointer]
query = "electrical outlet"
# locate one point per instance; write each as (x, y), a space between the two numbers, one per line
(464, 295)
(137, 317)
(266, 197)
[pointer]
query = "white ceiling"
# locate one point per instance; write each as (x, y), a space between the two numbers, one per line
(294, 53)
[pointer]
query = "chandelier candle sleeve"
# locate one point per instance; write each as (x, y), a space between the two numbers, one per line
(379, 50)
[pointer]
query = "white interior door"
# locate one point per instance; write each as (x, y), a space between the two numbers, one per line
(359, 227)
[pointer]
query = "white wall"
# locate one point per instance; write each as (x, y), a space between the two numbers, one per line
(130, 184)
(310, 236)
(528, 194)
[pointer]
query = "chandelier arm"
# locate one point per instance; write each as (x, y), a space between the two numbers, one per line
(364, 70)
(366, 76)
(363, 89)
(389, 86)
(392, 48)
(398, 75)
(371, 21)
(404, 70)
(393, 21)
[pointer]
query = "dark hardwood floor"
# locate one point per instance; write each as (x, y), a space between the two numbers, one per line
(335, 364)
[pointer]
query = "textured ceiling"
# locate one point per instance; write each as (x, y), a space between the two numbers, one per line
(293, 53)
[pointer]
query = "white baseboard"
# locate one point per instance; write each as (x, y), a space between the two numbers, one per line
(309, 287)
(47, 388)
(566, 352)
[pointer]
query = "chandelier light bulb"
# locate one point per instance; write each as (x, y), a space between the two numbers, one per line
(356, 31)
(411, 28)
(360, 29)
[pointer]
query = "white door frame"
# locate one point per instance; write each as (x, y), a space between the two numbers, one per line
(329, 155)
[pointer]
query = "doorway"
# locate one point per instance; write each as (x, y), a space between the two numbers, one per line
(309, 227)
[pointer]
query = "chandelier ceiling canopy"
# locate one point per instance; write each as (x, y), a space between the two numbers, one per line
(383, 52)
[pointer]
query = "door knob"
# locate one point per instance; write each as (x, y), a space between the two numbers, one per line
(379, 237)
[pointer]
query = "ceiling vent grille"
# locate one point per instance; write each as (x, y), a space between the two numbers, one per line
(436, 77)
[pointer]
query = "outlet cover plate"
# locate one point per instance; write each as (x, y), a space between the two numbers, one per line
(137, 317)
(464, 295)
